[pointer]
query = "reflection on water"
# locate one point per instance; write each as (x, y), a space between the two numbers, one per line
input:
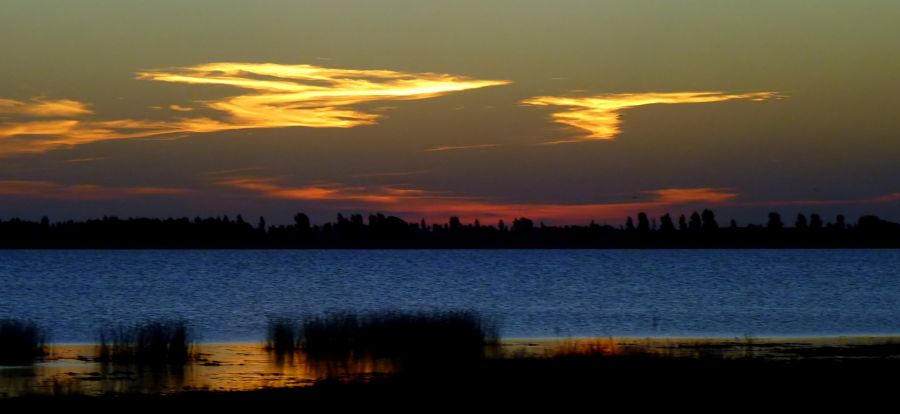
(71, 368)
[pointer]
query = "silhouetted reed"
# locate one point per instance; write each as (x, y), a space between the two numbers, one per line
(21, 342)
(282, 336)
(153, 343)
(406, 341)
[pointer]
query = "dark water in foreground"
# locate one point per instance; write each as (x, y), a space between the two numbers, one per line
(227, 295)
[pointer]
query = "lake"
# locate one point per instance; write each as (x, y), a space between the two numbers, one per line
(228, 295)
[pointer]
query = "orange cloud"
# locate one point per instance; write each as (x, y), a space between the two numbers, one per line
(333, 192)
(44, 108)
(274, 96)
(561, 213)
(57, 191)
(692, 195)
(600, 115)
(417, 203)
(460, 147)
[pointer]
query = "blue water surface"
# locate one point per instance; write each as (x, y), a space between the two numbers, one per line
(228, 295)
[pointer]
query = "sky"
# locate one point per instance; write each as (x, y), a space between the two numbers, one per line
(564, 112)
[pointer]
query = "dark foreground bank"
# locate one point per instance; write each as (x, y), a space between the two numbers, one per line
(588, 380)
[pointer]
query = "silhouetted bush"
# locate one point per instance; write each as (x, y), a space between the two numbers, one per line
(153, 343)
(406, 340)
(21, 342)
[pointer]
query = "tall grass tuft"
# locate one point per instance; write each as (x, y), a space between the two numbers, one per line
(21, 342)
(407, 341)
(153, 343)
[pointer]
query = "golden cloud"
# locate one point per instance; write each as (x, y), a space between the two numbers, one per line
(274, 96)
(310, 96)
(600, 115)
(41, 107)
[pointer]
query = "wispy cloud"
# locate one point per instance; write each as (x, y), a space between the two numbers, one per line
(391, 174)
(599, 115)
(660, 202)
(307, 95)
(270, 187)
(418, 203)
(460, 147)
(30, 189)
(879, 199)
(86, 159)
(272, 96)
(44, 108)
(692, 195)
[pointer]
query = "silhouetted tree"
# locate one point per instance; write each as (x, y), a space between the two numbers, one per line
(261, 226)
(709, 221)
(696, 223)
(801, 223)
(643, 223)
(301, 221)
(522, 225)
(665, 224)
(682, 223)
(815, 222)
(774, 222)
(629, 224)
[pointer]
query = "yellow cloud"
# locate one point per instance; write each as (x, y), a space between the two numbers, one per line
(310, 96)
(40, 107)
(274, 96)
(600, 115)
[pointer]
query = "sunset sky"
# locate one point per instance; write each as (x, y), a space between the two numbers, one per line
(562, 111)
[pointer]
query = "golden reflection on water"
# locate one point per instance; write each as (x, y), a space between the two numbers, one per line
(225, 367)
(71, 369)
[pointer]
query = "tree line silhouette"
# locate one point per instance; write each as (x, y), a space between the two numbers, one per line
(698, 230)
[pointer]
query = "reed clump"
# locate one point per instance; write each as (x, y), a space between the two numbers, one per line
(151, 343)
(408, 341)
(21, 342)
(283, 336)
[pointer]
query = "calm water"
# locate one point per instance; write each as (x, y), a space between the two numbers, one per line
(227, 295)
